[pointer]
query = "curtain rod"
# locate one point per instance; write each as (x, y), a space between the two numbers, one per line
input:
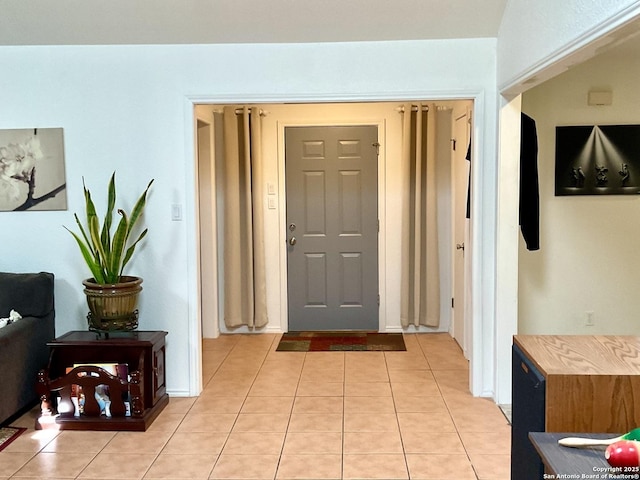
(425, 108)
(239, 111)
(414, 108)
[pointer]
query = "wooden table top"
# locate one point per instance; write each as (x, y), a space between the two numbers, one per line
(84, 338)
(582, 354)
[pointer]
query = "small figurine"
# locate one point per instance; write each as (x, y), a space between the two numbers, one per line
(624, 173)
(601, 176)
(574, 177)
(581, 177)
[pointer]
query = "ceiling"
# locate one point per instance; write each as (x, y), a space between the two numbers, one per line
(100, 22)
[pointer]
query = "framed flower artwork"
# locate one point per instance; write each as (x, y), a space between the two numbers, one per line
(32, 173)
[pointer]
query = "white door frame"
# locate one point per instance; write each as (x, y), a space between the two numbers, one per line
(481, 305)
(208, 271)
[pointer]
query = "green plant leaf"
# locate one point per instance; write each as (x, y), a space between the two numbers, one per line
(90, 208)
(87, 242)
(105, 236)
(101, 254)
(131, 249)
(118, 245)
(139, 207)
(88, 258)
(104, 254)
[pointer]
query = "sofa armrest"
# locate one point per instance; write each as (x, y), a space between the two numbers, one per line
(23, 352)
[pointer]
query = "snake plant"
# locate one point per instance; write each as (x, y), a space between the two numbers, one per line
(107, 253)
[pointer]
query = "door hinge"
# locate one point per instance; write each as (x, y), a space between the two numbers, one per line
(377, 145)
(452, 303)
(378, 225)
(378, 299)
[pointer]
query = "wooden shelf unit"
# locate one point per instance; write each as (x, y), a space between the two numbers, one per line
(142, 351)
(592, 382)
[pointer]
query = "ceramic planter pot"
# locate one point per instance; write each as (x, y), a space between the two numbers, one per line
(113, 307)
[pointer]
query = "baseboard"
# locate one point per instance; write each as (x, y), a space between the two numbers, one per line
(178, 393)
(393, 330)
(251, 331)
(418, 329)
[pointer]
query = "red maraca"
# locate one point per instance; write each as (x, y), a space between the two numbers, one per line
(625, 453)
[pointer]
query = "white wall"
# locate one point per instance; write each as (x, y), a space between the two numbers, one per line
(588, 259)
(130, 109)
(533, 34)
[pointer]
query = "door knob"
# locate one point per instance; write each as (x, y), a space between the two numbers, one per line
(292, 241)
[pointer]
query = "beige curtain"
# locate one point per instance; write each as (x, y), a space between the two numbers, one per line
(244, 256)
(420, 286)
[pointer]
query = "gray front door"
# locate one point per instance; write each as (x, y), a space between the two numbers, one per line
(332, 227)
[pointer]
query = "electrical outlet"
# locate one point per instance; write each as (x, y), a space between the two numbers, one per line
(589, 319)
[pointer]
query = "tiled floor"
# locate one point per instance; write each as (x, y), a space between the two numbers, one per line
(292, 415)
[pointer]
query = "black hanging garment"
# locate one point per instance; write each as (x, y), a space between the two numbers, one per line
(529, 189)
(468, 157)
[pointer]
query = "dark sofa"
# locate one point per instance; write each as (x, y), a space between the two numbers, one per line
(23, 344)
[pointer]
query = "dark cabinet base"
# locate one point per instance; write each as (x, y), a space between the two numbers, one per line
(528, 415)
(102, 423)
(74, 371)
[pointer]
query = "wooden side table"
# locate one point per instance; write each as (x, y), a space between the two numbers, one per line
(144, 354)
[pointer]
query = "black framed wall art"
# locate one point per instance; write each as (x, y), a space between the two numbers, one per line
(597, 160)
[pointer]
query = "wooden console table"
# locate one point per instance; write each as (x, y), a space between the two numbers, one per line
(592, 381)
(571, 383)
(144, 354)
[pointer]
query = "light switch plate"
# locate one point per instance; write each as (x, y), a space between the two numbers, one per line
(176, 212)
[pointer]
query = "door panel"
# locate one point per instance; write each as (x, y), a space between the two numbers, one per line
(314, 192)
(332, 219)
(316, 280)
(461, 179)
(349, 200)
(351, 278)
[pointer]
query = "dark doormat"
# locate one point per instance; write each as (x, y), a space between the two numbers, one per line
(8, 435)
(341, 341)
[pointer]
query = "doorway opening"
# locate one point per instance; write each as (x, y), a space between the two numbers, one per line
(385, 117)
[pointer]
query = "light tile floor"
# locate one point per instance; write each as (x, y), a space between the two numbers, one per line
(288, 415)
